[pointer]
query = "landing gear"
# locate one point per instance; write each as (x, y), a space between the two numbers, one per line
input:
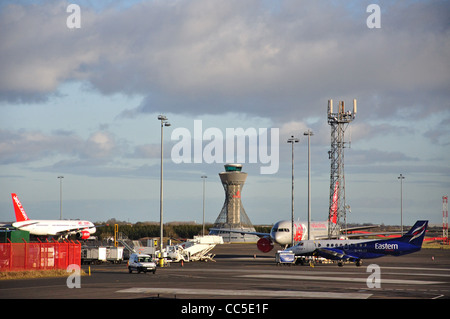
(358, 263)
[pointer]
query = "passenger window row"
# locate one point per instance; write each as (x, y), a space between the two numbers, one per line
(345, 246)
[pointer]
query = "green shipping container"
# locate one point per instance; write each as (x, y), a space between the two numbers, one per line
(15, 236)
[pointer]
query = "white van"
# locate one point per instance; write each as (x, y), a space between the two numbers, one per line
(141, 262)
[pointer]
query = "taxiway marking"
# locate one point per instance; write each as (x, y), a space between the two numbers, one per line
(247, 293)
(342, 279)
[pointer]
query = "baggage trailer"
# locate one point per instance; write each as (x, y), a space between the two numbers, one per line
(114, 254)
(93, 255)
(285, 257)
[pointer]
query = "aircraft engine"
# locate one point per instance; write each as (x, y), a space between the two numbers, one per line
(83, 234)
(265, 244)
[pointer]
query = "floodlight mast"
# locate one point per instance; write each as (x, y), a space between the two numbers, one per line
(309, 133)
(401, 178)
(292, 141)
(338, 121)
(445, 219)
(164, 122)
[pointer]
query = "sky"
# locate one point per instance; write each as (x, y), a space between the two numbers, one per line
(83, 103)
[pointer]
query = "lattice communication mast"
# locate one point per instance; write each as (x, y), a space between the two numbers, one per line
(445, 219)
(338, 121)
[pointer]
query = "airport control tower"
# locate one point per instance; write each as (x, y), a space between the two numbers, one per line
(232, 216)
(338, 120)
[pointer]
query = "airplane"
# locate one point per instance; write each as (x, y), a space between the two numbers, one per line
(81, 228)
(281, 233)
(356, 250)
(281, 230)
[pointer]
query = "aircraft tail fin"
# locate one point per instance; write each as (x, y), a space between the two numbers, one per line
(334, 205)
(416, 234)
(18, 209)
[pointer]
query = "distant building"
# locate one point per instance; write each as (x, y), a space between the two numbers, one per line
(233, 216)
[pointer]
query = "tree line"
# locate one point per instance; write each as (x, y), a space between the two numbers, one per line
(142, 230)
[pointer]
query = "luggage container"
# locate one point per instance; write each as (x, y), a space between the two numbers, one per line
(93, 255)
(114, 254)
(14, 236)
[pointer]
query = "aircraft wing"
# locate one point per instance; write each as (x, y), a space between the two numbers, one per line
(334, 253)
(350, 229)
(70, 230)
(359, 228)
(382, 234)
(24, 225)
(241, 232)
(330, 253)
(386, 234)
(361, 234)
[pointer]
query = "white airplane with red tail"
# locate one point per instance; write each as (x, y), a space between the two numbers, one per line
(281, 230)
(281, 233)
(83, 229)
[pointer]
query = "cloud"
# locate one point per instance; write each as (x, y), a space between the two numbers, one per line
(38, 51)
(373, 156)
(32, 146)
(26, 146)
(148, 151)
(99, 145)
(209, 57)
(102, 153)
(440, 133)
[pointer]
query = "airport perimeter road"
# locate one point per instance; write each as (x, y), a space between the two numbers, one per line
(237, 274)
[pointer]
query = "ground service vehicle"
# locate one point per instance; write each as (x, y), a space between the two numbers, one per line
(141, 262)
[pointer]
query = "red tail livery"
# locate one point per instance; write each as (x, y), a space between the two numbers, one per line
(334, 205)
(21, 216)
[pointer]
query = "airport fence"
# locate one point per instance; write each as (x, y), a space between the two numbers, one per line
(39, 256)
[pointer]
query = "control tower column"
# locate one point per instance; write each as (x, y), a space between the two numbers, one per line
(233, 182)
(232, 216)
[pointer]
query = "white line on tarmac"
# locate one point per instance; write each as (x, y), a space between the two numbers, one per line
(418, 268)
(341, 279)
(247, 293)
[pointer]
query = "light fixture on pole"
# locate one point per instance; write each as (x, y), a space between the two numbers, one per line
(204, 177)
(309, 133)
(60, 196)
(164, 122)
(292, 140)
(401, 178)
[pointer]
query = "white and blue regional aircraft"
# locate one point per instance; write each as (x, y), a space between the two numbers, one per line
(357, 250)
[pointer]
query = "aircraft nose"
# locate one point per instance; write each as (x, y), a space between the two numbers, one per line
(276, 236)
(280, 238)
